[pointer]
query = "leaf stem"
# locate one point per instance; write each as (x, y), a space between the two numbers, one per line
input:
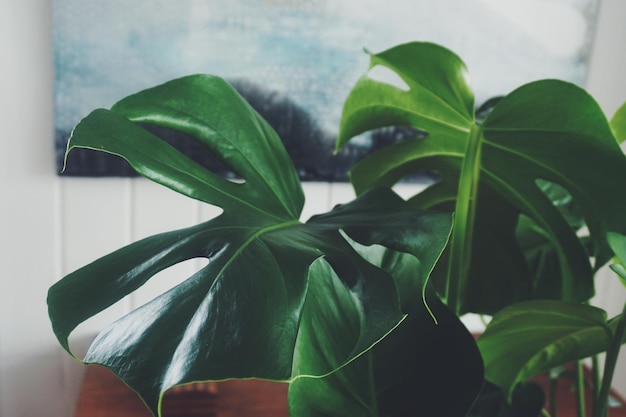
(373, 396)
(580, 390)
(595, 375)
(554, 381)
(463, 230)
(612, 353)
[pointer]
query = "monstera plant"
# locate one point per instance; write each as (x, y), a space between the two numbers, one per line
(358, 308)
(279, 299)
(531, 179)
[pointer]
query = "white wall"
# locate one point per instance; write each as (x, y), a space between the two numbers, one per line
(50, 226)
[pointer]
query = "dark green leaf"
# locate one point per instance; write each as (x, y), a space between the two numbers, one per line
(243, 314)
(211, 111)
(528, 338)
(438, 79)
(544, 132)
(527, 400)
(391, 379)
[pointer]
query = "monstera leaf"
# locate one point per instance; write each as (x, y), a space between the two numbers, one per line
(491, 171)
(256, 308)
(531, 337)
(415, 370)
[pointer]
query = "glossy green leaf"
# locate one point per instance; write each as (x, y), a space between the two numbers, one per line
(618, 123)
(439, 101)
(242, 315)
(491, 173)
(531, 337)
(212, 112)
(391, 379)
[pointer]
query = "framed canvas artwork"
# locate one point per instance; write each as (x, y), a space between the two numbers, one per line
(296, 60)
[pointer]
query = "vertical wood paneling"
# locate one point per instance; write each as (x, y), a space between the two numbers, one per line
(96, 221)
(30, 373)
(317, 199)
(340, 193)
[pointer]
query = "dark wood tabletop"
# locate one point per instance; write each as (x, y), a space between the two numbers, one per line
(104, 395)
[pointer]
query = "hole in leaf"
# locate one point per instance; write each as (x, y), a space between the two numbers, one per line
(84, 334)
(564, 202)
(195, 150)
(387, 76)
(166, 280)
(418, 184)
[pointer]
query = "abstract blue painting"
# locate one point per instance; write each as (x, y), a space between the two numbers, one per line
(296, 60)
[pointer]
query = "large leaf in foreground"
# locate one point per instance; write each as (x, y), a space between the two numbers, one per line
(528, 338)
(435, 351)
(240, 316)
(491, 172)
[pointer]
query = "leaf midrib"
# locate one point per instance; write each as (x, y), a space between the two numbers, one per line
(249, 240)
(439, 121)
(415, 83)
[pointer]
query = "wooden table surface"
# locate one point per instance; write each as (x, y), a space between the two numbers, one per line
(104, 395)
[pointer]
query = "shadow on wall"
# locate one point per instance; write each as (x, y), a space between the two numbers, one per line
(310, 147)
